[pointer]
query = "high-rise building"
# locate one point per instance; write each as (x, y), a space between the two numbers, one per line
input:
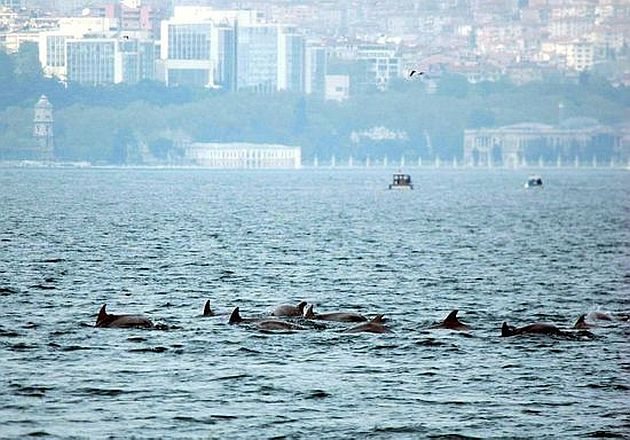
(315, 70)
(291, 52)
(257, 57)
(98, 61)
(91, 61)
(223, 56)
(185, 52)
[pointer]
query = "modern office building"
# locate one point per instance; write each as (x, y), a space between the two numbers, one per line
(291, 53)
(185, 52)
(257, 58)
(315, 62)
(52, 44)
(223, 56)
(199, 46)
(99, 61)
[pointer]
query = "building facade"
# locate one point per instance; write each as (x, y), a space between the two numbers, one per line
(100, 61)
(522, 144)
(241, 155)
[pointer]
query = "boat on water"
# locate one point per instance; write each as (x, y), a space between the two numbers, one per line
(533, 182)
(401, 181)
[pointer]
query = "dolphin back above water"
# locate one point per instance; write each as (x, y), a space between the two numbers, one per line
(105, 319)
(288, 310)
(263, 324)
(452, 323)
(333, 316)
(373, 326)
(536, 328)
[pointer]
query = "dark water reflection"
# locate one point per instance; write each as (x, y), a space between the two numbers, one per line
(162, 242)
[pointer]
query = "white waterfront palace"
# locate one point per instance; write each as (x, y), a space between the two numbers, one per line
(241, 155)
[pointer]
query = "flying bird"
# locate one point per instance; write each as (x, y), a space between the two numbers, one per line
(415, 72)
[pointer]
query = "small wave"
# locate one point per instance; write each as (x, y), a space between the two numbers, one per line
(42, 287)
(21, 346)
(223, 416)
(53, 260)
(453, 437)
(206, 421)
(29, 390)
(234, 376)
(9, 334)
(75, 348)
(158, 349)
(6, 291)
(316, 394)
(101, 391)
(604, 434)
(405, 429)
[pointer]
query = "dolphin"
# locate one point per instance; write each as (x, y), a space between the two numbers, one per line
(333, 316)
(602, 316)
(537, 328)
(121, 321)
(373, 326)
(276, 324)
(452, 323)
(582, 324)
(263, 324)
(207, 311)
(288, 310)
(235, 318)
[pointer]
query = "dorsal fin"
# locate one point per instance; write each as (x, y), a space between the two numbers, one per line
(506, 330)
(301, 306)
(452, 318)
(235, 316)
(580, 321)
(102, 315)
(308, 313)
(207, 311)
(377, 319)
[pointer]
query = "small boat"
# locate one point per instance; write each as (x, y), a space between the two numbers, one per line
(534, 181)
(401, 181)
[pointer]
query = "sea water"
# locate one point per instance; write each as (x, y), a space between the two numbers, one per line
(162, 242)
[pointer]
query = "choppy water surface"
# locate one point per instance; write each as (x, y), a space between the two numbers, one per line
(162, 242)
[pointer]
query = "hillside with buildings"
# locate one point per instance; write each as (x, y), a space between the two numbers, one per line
(133, 81)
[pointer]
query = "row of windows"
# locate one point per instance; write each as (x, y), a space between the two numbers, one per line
(189, 42)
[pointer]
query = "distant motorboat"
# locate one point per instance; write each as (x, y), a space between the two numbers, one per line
(401, 181)
(533, 182)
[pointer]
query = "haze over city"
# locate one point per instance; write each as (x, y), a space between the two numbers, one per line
(504, 83)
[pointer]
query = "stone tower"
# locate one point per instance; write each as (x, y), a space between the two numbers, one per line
(43, 128)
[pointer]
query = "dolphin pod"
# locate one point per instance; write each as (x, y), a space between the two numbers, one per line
(374, 325)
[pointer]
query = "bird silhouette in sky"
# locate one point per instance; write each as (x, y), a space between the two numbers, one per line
(415, 72)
